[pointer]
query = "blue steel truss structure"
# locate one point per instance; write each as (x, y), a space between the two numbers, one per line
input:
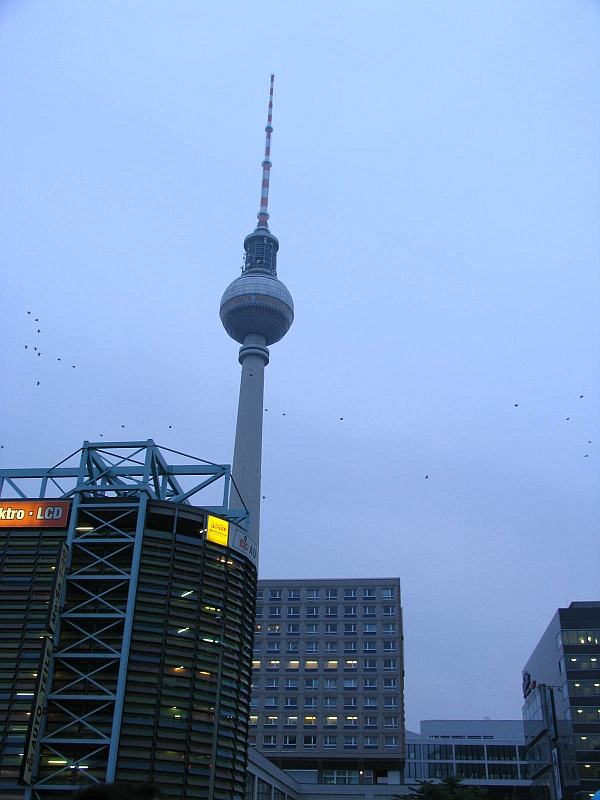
(114, 488)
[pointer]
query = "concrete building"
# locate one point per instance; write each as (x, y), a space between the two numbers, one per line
(561, 689)
(327, 702)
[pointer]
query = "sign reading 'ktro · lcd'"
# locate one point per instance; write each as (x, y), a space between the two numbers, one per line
(34, 513)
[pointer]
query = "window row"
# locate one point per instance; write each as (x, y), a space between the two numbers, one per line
(329, 684)
(330, 648)
(331, 629)
(327, 720)
(577, 637)
(330, 742)
(274, 612)
(294, 595)
(584, 662)
(312, 664)
(329, 703)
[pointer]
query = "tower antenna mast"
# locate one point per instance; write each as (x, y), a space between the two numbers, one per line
(263, 215)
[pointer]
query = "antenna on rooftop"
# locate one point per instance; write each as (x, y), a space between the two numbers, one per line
(262, 215)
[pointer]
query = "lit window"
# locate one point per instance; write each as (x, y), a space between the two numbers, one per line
(332, 664)
(311, 664)
(292, 664)
(331, 721)
(310, 720)
(273, 664)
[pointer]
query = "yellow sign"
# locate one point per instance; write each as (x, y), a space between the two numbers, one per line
(217, 531)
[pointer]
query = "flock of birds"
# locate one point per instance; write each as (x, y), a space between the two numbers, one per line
(35, 349)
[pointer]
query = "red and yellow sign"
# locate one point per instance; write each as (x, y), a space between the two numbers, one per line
(34, 513)
(217, 530)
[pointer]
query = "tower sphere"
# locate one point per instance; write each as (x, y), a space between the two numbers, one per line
(258, 302)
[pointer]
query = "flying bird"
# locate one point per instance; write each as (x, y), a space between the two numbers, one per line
(263, 497)
(58, 359)
(586, 455)
(122, 426)
(516, 405)
(73, 366)
(284, 413)
(170, 426)
(426, 476)
(39, 330)
(341, 418)
(568, 418)
(25, 347)
(580, 396)
(39, 354)
(38, 383)
(29, 312)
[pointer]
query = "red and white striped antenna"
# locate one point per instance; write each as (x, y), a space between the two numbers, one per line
(262, 215)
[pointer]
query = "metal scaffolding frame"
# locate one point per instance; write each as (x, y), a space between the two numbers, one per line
(110, 488)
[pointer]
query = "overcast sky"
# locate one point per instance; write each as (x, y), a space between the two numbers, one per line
(435, 191)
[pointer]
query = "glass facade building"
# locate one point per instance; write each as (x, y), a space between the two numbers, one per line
(137, 666)
(487, 753)
(561, 711)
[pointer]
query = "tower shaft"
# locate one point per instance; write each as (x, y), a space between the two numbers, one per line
(257, 311)
(247, 453)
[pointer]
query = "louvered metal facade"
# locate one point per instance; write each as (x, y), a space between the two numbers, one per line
(150, 673)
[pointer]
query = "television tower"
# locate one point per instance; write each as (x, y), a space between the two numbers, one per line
(257, 311)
